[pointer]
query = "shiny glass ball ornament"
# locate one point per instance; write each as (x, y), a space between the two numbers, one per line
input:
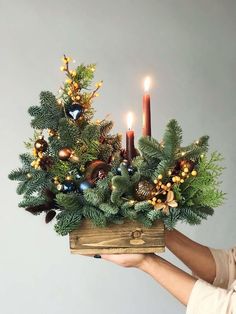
(118, 169)
(131, 170)
(65, 153)
(68, 186)
(78, 175)
(85, 185)
(75, 110)
(41, 145)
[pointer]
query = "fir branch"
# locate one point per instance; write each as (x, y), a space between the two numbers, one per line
(46, 116)
(172, 139)
(67, 221)
(70, 201)
(95, 214)
(150, 148)
(69, 132)
(18, 175)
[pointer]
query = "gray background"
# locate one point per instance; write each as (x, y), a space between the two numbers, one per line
(189, 48)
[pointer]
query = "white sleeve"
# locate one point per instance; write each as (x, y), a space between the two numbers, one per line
(207, 299)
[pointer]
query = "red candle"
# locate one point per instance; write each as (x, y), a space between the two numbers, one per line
(130, 149)
(146, 109)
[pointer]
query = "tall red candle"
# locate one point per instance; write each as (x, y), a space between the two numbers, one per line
(130, 149)
(146, 109)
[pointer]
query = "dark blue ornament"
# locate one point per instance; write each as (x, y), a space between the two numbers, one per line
(68, 186)
(118, 170)
(85, 185)
(131, 170)
(75, 110)
(78, 175)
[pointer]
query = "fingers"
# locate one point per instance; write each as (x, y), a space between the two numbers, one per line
(91, 255)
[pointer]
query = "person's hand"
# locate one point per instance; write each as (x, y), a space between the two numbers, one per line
(126, 260)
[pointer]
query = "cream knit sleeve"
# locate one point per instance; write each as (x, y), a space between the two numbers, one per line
(207, 299)
(220, 297)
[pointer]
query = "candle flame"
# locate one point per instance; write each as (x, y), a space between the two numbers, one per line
(147, 83)
(129, 120)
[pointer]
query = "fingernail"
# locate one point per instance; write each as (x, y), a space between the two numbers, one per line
(97, 256)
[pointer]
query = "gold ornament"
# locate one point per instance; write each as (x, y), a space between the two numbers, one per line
(41, 145)
(74, 158)
(52, 132)
(65, 153)
(69, 178)
(170, 202)
(144, 190)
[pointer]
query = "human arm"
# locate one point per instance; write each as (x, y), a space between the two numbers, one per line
(170, 277)
(195, 256)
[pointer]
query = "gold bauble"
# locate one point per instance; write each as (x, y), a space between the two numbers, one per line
(65, 153)
(144, 190)
(41, 145)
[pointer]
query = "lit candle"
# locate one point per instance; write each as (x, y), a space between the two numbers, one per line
(130, 149)
(146, 108)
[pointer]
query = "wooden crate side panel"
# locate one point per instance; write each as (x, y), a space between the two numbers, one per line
(130, 237)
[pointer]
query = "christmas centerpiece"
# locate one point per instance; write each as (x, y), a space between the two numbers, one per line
(107, 198)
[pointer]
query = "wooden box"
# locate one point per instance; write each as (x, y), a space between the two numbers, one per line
(129, 237)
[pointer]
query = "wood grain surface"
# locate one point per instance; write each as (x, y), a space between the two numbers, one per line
(130, 237)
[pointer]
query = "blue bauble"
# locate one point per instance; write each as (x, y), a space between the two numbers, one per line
(131, 170)
(118, 169)
(78, 175)
(75, 110)
(68, 186)
(84, 185)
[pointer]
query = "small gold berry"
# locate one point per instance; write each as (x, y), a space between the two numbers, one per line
(160, 176)
(186, 170)
(69, 178)
(194, 173)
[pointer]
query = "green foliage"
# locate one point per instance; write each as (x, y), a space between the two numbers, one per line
(123, 185)
(150, 148)
(85, 75)
(67, 221)
(48, 114)
(70, 201)
(109, 209)
(95, 214)
(94, 196)
(69, 132)
(39, 182)
(105, 127)
(202, 190)
(18, 174)
(172, 139)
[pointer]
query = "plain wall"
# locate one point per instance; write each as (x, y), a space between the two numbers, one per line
(188, 47)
